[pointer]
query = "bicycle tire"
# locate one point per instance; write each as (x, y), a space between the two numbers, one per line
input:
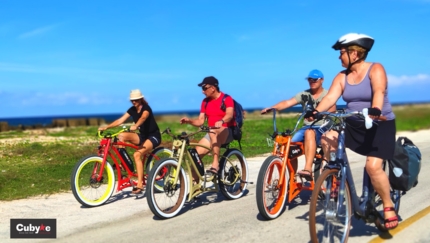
(169, 202)
(233, 174)
(85, 188)
(326, 223)
(270, 198)
(156, 155)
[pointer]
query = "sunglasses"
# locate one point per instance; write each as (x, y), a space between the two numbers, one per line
(313, 80)
(204, 88)
(132, 101)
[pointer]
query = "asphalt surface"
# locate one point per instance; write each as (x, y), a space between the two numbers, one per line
(213, 218)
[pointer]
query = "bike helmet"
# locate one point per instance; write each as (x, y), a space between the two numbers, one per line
(350, 39)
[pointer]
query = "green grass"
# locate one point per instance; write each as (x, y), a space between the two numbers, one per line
(30, 169)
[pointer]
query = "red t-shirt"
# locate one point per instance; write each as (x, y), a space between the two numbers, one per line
(214, 112)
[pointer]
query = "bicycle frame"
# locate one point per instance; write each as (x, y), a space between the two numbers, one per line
(181, 147)
(282, 149)
(360, 205)
(107, 148)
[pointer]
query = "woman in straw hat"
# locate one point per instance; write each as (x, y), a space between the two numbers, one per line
(148, 137)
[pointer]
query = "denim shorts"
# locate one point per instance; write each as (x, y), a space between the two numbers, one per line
(299, 136)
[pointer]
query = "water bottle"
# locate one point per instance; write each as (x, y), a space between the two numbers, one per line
(126, 159)
(197, 160)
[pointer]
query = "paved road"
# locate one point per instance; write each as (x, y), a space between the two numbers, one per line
(212, 218)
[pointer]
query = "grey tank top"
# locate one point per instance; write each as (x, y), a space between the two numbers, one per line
(359, 96)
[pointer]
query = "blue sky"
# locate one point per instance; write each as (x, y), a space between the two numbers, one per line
(83, 57)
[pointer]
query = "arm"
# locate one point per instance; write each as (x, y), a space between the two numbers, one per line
(229, 111)
(282, 105)
(141, 120)
(116, 123)
(194, 122)
(378, 80)
(334, 93)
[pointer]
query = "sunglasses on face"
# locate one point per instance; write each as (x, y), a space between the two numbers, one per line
(313, 80)
(132, 101)
(204, 88)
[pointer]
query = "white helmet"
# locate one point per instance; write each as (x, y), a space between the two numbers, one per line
(350, 39)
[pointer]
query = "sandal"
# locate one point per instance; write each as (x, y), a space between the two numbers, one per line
(392, 219)
(305, 174)
(137, 190)
(212, 171)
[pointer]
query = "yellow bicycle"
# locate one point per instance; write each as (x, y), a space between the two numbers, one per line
(175, 174)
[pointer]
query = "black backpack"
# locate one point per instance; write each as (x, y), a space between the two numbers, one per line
(238, 116)
(405, 165)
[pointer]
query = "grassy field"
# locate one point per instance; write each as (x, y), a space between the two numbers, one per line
(36, 166)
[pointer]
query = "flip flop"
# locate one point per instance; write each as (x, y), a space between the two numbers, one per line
(305, 174)
(137, 190)
(212, 171)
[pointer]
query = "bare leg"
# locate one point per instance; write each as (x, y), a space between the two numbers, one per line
(329, 143)
(147, 146)
(217, 140)
(310, 148)
(381, 184)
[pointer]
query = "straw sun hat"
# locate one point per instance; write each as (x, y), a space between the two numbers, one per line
(135, 94)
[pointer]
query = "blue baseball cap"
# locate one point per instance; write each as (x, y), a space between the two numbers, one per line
(315, 74)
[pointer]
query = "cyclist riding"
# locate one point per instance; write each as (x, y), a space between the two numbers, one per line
(211, 108)
(363, 85)
(148, 137)
(311, 136)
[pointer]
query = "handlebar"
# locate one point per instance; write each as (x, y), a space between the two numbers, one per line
(184, 135)
(110, 135)
(341, 116)
(305, 109)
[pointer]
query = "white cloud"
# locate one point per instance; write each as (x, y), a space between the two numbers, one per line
(38, 31)
(408, 80)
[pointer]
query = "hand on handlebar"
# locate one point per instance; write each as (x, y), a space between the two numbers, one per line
(102, 128)
(311, 115)
(374, 113)
(266, 110)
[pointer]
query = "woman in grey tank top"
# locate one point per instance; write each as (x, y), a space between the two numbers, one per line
(364, 85)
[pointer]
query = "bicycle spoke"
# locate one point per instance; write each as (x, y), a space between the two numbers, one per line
(233, 174)
(329, 221)
(168, 203)
(271, 196)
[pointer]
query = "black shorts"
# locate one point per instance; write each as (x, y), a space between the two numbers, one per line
(377, 141)
(155, 139)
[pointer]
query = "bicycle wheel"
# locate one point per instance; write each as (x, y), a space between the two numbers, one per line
(395, 196)
(86, 187)
(156, 155)
(168, 203)
(271, 196)
(233, 174)
(329, 221)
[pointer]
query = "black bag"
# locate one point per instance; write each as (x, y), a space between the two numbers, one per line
(405, 165)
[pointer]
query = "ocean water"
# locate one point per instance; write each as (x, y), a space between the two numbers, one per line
(48, 120)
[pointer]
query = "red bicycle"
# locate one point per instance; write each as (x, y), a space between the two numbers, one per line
(93, 178)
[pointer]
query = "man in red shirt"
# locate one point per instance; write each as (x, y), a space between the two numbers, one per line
(217, 117)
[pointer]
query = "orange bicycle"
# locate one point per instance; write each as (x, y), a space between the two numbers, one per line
(93, 178)
(273, 187)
